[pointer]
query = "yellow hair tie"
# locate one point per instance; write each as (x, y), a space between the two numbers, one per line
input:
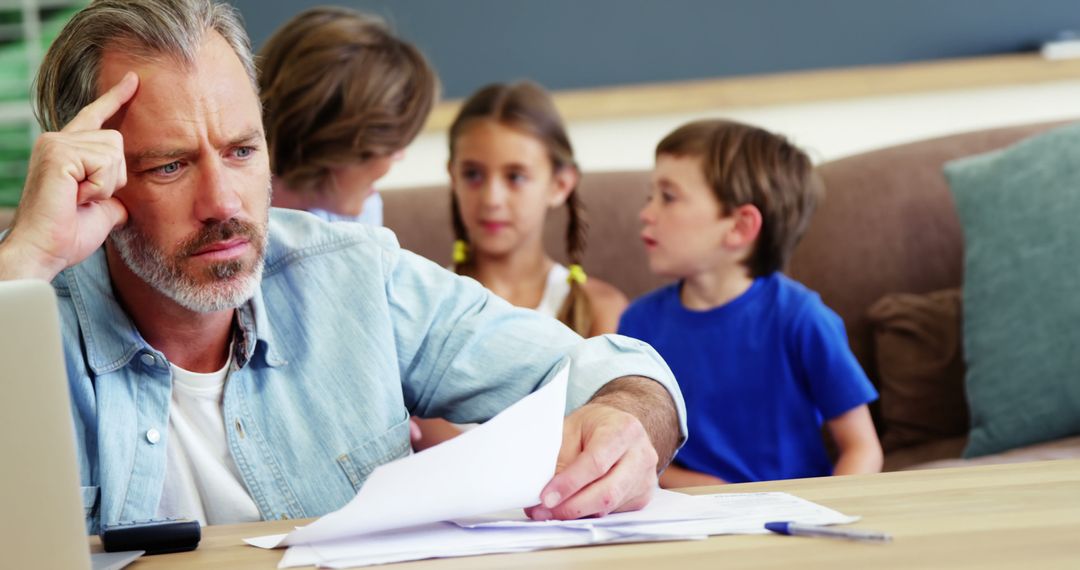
(577, 275)
(461, 251)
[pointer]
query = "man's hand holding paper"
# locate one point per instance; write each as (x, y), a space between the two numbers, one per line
(608, 461)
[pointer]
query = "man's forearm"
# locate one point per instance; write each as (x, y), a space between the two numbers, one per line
(652, 405)
(16, 263)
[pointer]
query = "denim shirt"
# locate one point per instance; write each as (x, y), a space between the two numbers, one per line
(347, 335)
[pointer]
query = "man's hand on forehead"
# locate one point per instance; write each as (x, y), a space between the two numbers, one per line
(90, 121)
(68, 208)
(93, 116)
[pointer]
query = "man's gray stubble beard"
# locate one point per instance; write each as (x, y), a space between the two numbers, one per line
(226, 290)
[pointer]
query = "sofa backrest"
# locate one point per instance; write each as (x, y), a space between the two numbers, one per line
(887, 225)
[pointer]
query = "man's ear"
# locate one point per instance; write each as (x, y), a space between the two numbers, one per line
(747, 227)
(563, 183)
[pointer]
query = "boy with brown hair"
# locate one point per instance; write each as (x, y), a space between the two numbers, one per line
(342, 97)
(761, 360)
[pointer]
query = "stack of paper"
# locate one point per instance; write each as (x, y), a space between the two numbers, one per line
(704, 515)
(484, 478)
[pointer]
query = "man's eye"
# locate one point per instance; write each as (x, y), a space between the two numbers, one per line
(171, 168)
(244, 151)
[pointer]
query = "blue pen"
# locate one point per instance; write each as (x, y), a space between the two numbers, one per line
(796, 529)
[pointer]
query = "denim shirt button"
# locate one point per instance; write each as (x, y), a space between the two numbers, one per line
(153, 435)
(148, 359)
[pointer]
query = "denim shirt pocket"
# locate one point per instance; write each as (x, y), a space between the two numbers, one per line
(392, 444)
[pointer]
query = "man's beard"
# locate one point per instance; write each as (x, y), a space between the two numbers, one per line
(222, 285)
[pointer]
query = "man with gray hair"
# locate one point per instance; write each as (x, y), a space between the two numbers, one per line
(229, 362)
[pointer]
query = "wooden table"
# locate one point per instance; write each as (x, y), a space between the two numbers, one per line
(1023, 516)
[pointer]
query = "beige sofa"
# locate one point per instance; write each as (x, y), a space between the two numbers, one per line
(888, 225)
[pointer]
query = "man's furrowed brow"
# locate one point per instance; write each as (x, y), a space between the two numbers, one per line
(254, 136)
(153, 155)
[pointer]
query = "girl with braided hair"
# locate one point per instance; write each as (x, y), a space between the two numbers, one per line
(510, 162)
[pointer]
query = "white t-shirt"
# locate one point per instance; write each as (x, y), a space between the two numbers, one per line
(201, 478)
(556, 290)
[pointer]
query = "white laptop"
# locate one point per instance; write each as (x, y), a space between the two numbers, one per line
(42, 524)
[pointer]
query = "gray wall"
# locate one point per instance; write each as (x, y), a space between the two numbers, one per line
(587, 43)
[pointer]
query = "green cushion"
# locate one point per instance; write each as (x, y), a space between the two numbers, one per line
(1020, 211)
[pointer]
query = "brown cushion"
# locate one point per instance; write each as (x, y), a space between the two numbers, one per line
(921, 367)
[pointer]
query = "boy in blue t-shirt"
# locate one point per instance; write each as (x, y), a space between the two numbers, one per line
(760, 359)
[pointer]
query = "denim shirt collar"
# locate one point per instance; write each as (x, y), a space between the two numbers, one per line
(256, 335)
(111, 337)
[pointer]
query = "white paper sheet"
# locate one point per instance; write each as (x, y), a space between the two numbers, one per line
(729, 513)
(719, 513)
(489, 549)
(742, 513)
(502, 464)
(429, 541)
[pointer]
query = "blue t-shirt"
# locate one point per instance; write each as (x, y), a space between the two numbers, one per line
(759, 375)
